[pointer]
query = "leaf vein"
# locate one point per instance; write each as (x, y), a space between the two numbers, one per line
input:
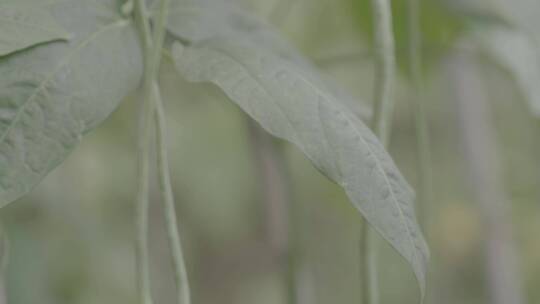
(43, 84)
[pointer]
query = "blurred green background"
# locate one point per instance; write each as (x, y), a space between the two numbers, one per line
(72, 238)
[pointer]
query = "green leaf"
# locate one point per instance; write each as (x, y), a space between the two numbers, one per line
(22, 27)
(54, 93)
(292, 101)
(196, 20)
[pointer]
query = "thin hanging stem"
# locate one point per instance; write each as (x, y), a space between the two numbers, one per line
(182, 283)
(142, 255)
(152, 59)
(143, 175)
(382, 125)
(159, 37)
(141, 15)
(370, 288)
(421, 123)
(384, 71)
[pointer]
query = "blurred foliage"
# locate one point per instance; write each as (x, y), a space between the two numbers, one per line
(71, 239)
(440, 27)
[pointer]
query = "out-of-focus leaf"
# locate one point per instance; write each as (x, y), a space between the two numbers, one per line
(518, 48)
(54, 93)
(512, 40)
(522, 14)
(519, 54)
(507, 31)
(291, 101)
(438, 26)
(22, 27)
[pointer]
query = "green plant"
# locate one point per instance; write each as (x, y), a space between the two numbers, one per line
(58, 85)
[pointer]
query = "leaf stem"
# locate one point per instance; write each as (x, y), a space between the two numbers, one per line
(421, 122)
(384, 71)
(382, 125)
(143, 174)
(153, 46)
(182, 283)
(141, 15)
(370, 294)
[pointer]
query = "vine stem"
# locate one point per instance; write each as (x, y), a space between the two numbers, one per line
(370, 288)
(143, 174)
(382, 125)
(153, 47)
(182, 283)
(385, 70)
(421, 124)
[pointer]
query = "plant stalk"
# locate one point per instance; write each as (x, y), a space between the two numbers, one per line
(152, 47)
(421, 122)
(143, 174)
(382, 125)
(384, 70)
(181, 278)
(370, 278)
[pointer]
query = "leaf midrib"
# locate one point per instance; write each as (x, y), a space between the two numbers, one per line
(65, 62)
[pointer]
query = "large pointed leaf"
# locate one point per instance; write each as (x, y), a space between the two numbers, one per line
(54, 93)
(22, 27)
(291, 101)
